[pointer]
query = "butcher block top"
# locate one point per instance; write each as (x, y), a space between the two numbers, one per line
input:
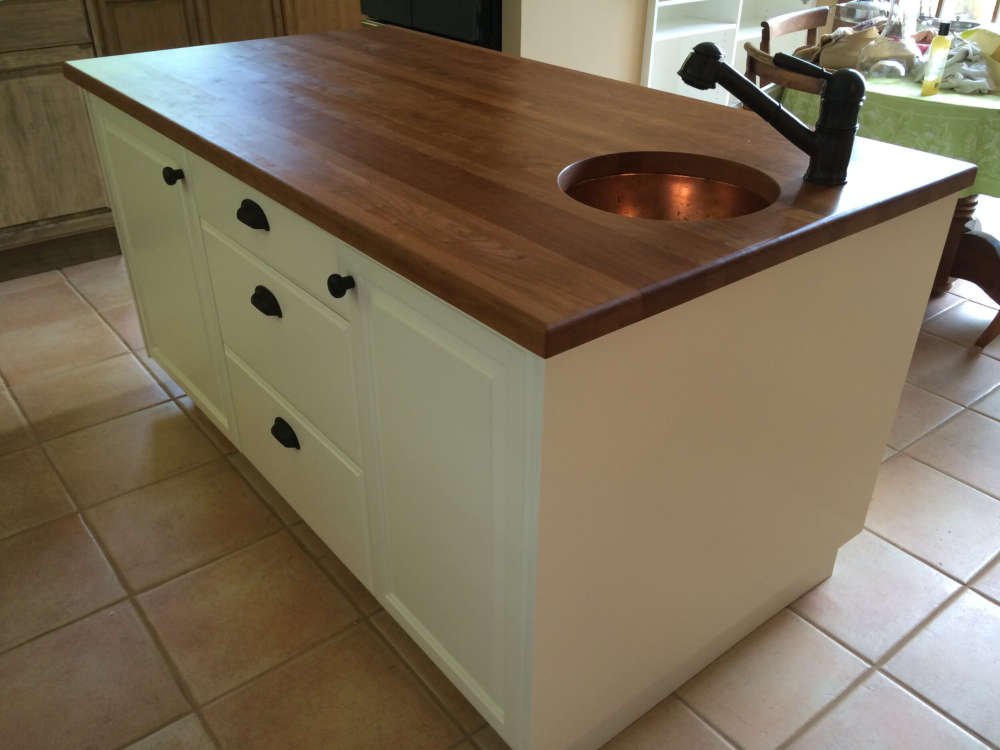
(440, 159)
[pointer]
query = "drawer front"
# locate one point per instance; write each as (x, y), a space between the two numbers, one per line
(305, 354)
(294, 246)
(323, 486)
(42, 23)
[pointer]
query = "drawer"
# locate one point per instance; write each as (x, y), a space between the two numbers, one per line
(323, 486)
(295, 247)
(28, 24)
(305, 354)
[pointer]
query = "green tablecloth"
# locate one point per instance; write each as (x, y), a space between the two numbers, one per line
(961, 126)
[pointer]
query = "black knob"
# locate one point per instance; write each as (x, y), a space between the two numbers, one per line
(339, 285)
(265, 301)
(284, 434)
(171, 175)
(252, 215)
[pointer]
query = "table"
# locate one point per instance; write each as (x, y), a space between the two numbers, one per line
(962, 126)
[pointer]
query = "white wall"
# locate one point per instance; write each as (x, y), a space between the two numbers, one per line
(604, 37)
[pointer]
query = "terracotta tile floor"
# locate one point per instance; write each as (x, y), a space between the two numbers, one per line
(155, 592)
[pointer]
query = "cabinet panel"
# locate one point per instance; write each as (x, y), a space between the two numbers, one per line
(141, 25)
(325, 488)
(27, 24)
(46, 148)
(234, 20)
(440, 421)
(310, 16)
(158, 233)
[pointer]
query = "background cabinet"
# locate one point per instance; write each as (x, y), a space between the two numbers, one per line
(674, 27)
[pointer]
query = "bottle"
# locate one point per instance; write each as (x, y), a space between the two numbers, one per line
(937, 56)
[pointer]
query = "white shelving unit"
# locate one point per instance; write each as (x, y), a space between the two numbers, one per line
(674, 27)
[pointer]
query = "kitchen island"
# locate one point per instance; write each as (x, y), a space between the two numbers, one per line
(575, 455)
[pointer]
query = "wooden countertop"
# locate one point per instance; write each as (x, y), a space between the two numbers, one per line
(440, 159)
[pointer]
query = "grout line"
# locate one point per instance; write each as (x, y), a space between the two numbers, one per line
(931, 429)
(951, 476)
(66, 624)
(979, 350)
(828, 707)
(915, 556)
(676, 694)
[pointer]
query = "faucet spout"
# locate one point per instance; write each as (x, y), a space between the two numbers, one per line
(829, 146)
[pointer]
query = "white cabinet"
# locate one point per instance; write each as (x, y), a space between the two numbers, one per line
(157, 227)
(674, 27)
(569, 539)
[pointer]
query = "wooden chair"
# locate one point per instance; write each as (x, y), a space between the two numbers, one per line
(760, 67)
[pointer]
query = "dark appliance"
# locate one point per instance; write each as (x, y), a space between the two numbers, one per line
(474, 21)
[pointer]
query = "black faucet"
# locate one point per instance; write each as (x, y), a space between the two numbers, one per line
(829, 146)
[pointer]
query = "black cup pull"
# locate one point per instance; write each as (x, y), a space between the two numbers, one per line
(338, 285)
(252, 215)
(171, 175)
(265, 301)
(284, 434)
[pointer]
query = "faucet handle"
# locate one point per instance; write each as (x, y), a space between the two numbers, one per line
(798, 65)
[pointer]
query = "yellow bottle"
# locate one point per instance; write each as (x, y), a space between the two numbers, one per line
(937, 56)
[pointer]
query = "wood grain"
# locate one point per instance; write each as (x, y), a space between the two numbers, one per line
(440, 159)
(140, 25)
(26, 24)
(46, 148)
(310, 16)
(235, 20)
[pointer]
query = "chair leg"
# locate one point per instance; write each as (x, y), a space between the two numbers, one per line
(977, 259)
(991, 332)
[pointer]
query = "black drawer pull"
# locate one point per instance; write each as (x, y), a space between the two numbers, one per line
(338, 285)
(265, 301)
(284, 434)
(252, 215)
(171, 175)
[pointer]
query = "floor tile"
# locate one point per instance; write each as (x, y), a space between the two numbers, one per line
(968, 290)
(206, 425)
(488, 739)
(50, 575)
(235, 618)
(125, 322)
(670, 724)
(955, 372)
(880, 714)
(351, 692)
(954, 662)
(87, 395)
(963, 324)
(183, 734)
(768, 685)
(943, 521)
(989, 405)
(876, 595)
(33, 352)
(104, 283)
(967, 448)
(988, 583)
(918, 413)
(937, 305)
(39, 306)
(31, 491)
(451, 698)
(357, 592)
(97, 683)
(14, 434)
(31, 282)
(128, 452)
(173, 526)
(160, 374)
(263, 488)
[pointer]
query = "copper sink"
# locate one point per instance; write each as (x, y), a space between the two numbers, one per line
(664, 185)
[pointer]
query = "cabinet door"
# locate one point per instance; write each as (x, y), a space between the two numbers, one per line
(158, 230)
(234, 20)
(49, 167)
(141, 25)
(452, 402)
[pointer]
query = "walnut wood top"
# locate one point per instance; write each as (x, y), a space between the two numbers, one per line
(440, 160)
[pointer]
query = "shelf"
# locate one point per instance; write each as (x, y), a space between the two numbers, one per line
(672, 3)
(689, 27)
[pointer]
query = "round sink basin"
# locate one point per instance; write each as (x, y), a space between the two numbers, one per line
(664, 185)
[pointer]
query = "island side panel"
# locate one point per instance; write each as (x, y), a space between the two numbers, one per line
(701, 468)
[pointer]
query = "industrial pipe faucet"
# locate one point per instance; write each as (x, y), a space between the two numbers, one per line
(829, 146)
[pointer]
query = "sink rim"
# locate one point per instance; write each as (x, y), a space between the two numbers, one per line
(736, 175)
